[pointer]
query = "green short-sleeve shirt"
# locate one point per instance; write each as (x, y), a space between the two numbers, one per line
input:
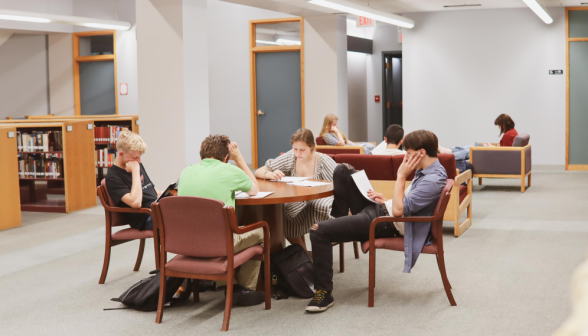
(214, 179)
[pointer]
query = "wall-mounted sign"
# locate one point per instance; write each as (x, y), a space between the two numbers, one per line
(362, 21)
(377, 98)
(124, 89)
(556, 72)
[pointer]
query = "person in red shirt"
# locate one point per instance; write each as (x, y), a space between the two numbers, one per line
(506, 126)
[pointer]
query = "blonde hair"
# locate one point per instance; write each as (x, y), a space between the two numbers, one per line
(130, 142)
(329, 119)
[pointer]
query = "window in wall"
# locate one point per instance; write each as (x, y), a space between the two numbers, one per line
(95, 82)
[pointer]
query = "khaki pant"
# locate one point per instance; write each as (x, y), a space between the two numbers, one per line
(248, 272)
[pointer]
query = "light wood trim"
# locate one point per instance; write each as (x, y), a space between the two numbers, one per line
(39, 117)
(277, 48)
(100, 116)
(515, 176)
(568, 40)
(292, 19)
(463, 227)
(577, 167)
(96, 58)
(79, 166)
(466, 202)
(386, 187)
(10, 195)
(360, 148)
(463, 177)
(253, 50)
(500, 148)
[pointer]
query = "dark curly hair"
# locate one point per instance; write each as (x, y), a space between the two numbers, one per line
(215, 146)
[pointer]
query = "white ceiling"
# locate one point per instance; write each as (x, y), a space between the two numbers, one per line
(303, 8)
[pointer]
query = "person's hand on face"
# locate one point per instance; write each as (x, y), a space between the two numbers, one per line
(409, 164)
(234, 152)
(276, 175)
(376, 196)
(133, 167)
(334, 129)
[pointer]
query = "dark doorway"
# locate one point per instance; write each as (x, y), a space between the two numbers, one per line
(391, 89)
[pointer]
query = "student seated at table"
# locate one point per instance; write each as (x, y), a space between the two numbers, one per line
(419, 199)
(334, 137)
(304, 161)
(127, 181)
(506, 126)
(393, 139)
(215, 178)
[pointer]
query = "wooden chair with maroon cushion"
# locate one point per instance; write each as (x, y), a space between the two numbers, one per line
(200, 231)
(397, 243)
(115, 218)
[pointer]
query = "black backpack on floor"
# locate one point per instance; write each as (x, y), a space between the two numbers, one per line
(293, 269)
(144, 295)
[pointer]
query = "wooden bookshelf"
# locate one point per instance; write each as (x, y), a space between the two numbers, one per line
(77, 179)
(10, 195)
(129, 121)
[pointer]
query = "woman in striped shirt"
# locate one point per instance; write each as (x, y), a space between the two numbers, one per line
(303, 161)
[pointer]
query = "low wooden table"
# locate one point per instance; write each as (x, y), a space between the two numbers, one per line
(271, 208)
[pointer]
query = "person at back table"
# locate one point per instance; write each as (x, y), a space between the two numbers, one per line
(304, 161)
(506, 126)
(127, 181)
(334, 137)
(393, 139)
(419, 199)
(215, 178)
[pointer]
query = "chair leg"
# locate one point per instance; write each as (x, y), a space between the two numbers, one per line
(267, 284)
(106, 263)
(523, 184)
(195, 290)
(161, 302)
(228, 300)
(372, 279)
(356, 249)
(529, 182)
(140, 256)
(341, 257)
(156, 249)
(446, 285)
(479, 181)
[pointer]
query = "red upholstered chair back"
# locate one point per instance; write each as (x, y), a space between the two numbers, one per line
(320, 141)
(116, 218)
(437, 226)
(194, 226)
(377, 167)
(446, 160)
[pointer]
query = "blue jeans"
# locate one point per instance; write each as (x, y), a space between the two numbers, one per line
(461, 153)
(148, 224)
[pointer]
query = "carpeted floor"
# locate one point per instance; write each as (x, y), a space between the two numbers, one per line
(510, 274)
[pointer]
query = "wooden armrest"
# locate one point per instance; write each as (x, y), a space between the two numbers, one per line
(463, 177)
(360, 148)
(498, 148)
(128, 210)
(250, 227)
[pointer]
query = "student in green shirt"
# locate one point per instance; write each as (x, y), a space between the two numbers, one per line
(215, 178)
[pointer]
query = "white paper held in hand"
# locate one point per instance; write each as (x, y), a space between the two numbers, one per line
(363, 184)
(309, 183)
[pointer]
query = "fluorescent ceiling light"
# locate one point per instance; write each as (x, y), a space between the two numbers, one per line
(66, 19)
(288, 42)
(539, 10)
(361, 10)
(24, 18)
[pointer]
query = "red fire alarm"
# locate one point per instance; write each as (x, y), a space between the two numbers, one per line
(377, 99)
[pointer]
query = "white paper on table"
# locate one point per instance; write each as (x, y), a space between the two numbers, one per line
(363, 184)
(261, 194)
(309, 183)
(289, 179)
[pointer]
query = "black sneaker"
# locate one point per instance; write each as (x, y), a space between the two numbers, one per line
(321, 301)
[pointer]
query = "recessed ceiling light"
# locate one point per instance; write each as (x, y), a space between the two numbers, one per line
(464, 5)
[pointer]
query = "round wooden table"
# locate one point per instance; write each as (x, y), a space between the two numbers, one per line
(271, 208)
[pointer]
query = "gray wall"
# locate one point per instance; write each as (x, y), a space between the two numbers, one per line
(357, 95)
(457, 80)
(23, 76)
